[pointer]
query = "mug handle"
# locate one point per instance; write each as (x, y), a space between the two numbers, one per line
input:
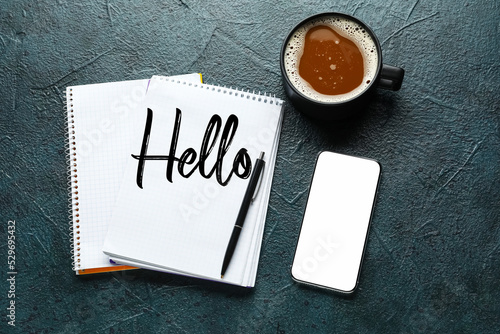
(391, 77)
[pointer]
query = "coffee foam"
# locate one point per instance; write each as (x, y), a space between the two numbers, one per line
(345, 27)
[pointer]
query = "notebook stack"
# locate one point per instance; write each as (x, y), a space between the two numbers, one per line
(158, 171)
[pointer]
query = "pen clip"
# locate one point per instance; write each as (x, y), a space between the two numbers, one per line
(258, 185)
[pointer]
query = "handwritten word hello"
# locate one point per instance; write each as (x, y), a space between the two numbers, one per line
(191, 158)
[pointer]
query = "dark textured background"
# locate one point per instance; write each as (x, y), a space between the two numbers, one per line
(432, 263)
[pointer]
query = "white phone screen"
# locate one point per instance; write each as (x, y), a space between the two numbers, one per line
(336, 220)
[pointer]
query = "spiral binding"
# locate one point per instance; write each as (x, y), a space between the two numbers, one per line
(73, 209)
(259, 97)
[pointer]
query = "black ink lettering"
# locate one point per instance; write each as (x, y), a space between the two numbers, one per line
(144, 148)
(188, 157)
(216, 122)
(173, 144)
(229, 130)
(242, 159)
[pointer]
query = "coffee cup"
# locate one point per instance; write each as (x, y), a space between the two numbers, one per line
(331, 63)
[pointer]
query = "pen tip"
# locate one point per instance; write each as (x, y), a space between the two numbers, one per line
(221, 276)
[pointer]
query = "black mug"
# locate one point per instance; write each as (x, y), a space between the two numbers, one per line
(331, 63)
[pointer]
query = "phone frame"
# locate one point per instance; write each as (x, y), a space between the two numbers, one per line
(373, 191)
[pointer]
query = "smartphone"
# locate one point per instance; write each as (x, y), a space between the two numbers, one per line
(336, 221)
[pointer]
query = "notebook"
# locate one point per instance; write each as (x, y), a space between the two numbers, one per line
(100, 120)
(177, 206)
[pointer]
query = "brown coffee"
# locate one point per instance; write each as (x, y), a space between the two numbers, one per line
(331, 59)
(330, 63)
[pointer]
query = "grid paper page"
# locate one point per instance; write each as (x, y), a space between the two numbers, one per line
(259, 205)
(184, 226)
(102, 116)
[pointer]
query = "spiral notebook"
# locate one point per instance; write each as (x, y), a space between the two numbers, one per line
(100, 119)
(187, 170)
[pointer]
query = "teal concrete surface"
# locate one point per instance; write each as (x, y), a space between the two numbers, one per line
(432, 262)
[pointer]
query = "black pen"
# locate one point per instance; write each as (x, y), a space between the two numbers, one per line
(247, 199)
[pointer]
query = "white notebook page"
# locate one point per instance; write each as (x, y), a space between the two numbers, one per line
(184, 225)
(103, 119)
